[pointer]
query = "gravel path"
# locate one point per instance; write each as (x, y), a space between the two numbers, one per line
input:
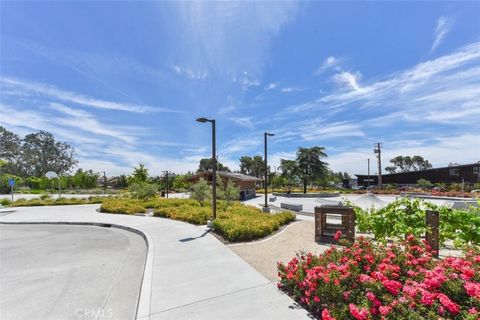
(263, 255)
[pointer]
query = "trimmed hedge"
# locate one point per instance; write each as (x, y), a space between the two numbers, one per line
(52, 202)
(122, 206)
(191, 214)
(235, 222)
(245, 223)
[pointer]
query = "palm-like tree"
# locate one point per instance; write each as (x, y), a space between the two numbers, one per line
(309, 163)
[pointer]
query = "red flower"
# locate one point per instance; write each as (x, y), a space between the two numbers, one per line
(385, 310)
(337, 235)
(451, 306)
(326, 315)
(361, 314)
(392, 286)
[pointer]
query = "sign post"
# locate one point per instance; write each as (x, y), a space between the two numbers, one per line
(11, 183)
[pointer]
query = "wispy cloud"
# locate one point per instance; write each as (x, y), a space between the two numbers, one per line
(228, 38)
(289, 89)
(329, 63)
(444, 25)
(348, 78)
(189, 73)
(243, 121)
(15, 86)
(270, 86)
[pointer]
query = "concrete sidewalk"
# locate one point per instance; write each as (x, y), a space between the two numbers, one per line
(189, 274)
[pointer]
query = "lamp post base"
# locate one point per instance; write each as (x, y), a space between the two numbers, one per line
(266, 209)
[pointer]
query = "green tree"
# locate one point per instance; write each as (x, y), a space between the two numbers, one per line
(180, 181)
(310, 165)
(289, 170)
(254, 166)
(122, 182)
(35, 154)
(140, 174)
(424, 183)
(227, 190)
(143, 190)
(201, 191)
(10, 155)
(407, 163)
(206, 165)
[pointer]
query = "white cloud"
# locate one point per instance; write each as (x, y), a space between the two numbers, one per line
(328, 63)
(444, 25)
(227, 38)
(24, 87)
(226, 110)
(88, 122)
(289, 89)
(243, 121)
(189, 73)
(245, 82)
(318, 131)
(270, 86)
(349, 79)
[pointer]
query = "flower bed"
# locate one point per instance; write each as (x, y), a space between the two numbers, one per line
(376, 281)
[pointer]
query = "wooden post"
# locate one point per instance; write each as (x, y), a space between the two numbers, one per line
(324, 232)
(432, 235)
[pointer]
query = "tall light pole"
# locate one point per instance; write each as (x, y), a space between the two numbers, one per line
(265, 135)
(166, 176)
(104, 182)
(214, 166)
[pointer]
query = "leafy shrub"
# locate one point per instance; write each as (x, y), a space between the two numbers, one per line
(201, 191)
(171, 202)
(407, 216)
(244, 223)
(424, 183)
(122, 206)
(143, 190)
(374, 281)
(44, 196)
(5, 202)
(54, 202)
(191, 214)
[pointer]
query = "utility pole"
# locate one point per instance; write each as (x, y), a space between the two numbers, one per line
(378, 151)
(368, 175)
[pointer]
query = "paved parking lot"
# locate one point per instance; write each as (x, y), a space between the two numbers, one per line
(69, 272)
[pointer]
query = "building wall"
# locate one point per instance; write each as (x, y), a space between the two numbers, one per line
(470, 174)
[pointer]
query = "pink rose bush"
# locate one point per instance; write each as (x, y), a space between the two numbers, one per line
(376, 281)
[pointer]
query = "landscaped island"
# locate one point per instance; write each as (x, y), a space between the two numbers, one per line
(234, 222)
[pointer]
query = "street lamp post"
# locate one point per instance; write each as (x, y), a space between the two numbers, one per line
(214, 166)
(166, 176)
(265, 135)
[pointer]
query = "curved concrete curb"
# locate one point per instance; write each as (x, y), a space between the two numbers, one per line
(144, 296)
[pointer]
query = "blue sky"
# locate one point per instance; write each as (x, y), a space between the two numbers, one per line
(123, 81)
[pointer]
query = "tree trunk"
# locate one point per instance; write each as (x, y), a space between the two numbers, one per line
(304, 185)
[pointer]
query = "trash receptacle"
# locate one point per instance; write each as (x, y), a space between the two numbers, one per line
(163, 194)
